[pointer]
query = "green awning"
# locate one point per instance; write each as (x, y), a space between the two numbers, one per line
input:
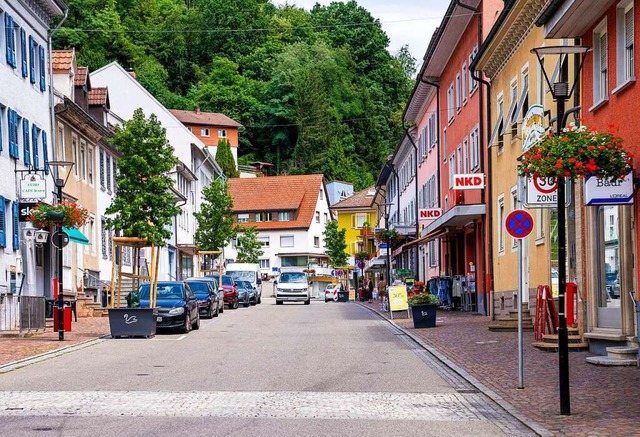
(76, 236)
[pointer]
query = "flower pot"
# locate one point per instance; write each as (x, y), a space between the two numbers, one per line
(133, 322)
(424, 316)
(55, 216)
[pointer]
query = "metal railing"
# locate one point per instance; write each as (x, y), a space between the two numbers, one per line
(32, 313)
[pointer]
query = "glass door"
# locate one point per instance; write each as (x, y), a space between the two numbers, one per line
(608, 267)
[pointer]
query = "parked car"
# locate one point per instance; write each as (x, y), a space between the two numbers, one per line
(331, 293)
(177, 305)
(243, 293)
(612, 284)
(293, 286)
(214, 285)
(230, 291)
(253, 294)
(207, 298)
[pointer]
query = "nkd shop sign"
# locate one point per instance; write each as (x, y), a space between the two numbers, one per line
(468, 181)
(429, 214)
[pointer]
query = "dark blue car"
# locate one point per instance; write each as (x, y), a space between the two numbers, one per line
(177, 305)
(208, 301)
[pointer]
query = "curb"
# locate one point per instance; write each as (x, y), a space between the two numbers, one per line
(5, 368)
(505, 405)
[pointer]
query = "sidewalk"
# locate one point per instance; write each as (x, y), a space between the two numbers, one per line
(14, 347)
(604, 400)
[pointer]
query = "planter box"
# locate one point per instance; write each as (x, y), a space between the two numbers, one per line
(133, 322)
(424, 316)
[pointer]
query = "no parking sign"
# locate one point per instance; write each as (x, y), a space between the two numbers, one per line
(519, 223)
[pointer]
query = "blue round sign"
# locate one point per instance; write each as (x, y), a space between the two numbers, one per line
(519, 223)
(360, 264)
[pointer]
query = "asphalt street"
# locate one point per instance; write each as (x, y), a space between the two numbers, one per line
(267, 370)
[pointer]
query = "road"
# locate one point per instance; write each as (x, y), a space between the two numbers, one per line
(290, 370)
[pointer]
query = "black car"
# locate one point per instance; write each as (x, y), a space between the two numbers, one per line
(214, 285)
(176, 303)
(208, 300)
(253, 295)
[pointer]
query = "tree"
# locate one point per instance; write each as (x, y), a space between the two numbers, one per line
(335, 243)
(249, 248)
(407, 61)
(225, 160)
(216, 220)
(143, 205)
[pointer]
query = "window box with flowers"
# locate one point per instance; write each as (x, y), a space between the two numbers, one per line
(578, 152)
(67, 214)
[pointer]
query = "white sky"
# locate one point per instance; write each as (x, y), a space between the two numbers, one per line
(409, 22)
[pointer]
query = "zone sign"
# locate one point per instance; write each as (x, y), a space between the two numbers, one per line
(472, 181)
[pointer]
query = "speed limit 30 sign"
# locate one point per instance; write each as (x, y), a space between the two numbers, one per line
(542, 192)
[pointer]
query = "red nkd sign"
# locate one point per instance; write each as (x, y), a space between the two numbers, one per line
(468, 181)
(429, 214)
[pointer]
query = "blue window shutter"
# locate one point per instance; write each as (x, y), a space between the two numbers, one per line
(34, 146)
(1, 121)
(16, 152)
(3, 224)
(13, 133)
(32, 59)
(23, 51)
(45, 152)
(16, 233)
(8, 28)
(11, 43)
(26, 142)
(43, 85)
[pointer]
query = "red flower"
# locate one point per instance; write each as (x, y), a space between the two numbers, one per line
(572, 160)
(591, 147)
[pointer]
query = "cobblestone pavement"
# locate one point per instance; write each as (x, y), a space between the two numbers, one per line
(14, 347)
(604, 400)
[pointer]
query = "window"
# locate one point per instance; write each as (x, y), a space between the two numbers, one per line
(500, 224)
(284, 216)
(624, 36)
(358, 220)
(264, 240)
(465, 154)
(60, 140)
(317, 216)
(222, 133)
(32, 60)
(243, 218)
(322, 194)
(90, 165)
(26, 142)
(265, 263)
(464, 83)
(523, 103)
(326, 217)
(43, 79)
(473, 84)
(24, 61)
(422, 142)
(433, 137)
(83, 159)
(108, 167)
(459, 168)
(474, 144)
(500, 124)
(316, 241)
(450, 104)
(204, 132)
(103, 237)
(263, 217)
(3, 223)
(452, 169)
(45, 152)
(541, 82)
(12, 119)
(600, 61)
(513, 110)
(101, 154)
(10, 40)
(444, 145)
(458, 94)
(539, 225)
(74, 151)
(286, 241)
(433, 254)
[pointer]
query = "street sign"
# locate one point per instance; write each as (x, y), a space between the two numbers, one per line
(519, 223)
(541, 192)
(599, 191)
(360, 264)
(474, 181)
(60, 239)
(33, 186)
(383, 246)
(339, 273)
(429, 214)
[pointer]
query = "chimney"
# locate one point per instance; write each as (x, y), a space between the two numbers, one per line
(197, 110)
(131, 73)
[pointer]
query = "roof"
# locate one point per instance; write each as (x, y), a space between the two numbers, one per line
(361, 199)
(204, 118)
(98, 96)
(266, 194)
(62, 60)
(81, 76)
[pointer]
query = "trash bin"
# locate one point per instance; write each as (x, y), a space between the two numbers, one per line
(66, 319)
(343, 296)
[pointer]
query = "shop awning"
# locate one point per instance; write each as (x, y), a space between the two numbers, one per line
(76, 236)
(376, 263)
(457, 216)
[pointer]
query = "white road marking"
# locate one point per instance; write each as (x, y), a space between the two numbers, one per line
(282, 405)
(181, 337)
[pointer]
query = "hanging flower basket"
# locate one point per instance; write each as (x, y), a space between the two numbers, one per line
(68, 214)
(391, 236)
(362, 256)
(579, 151)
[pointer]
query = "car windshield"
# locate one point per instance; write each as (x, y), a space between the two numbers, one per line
(295, 277)
(244, 284)
(242, 276)
(165, 291)
(227, 280)
(199, 287)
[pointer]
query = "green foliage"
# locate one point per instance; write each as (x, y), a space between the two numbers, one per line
(225, 160)
(216, 220)
(335, 243)
(423, 298)
(143, 205)
(249, 248)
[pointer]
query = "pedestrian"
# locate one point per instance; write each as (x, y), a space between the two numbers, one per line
(370, 291)
(382, 289)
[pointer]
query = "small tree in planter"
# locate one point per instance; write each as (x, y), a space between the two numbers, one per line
(423, 309)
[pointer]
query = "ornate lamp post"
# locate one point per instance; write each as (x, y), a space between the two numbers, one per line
(561, 93)
(59, 183)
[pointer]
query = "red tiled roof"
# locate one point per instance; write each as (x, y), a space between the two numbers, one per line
(62, 60)
(277, 193)
(98, 96)
(81, 76)
(204, 118)
(361, 199)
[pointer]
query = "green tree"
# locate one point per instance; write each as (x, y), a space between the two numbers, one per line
(143, 205)
(249, 248)
(407, 61)
(215, 220)
(225, 160)
(335, 243)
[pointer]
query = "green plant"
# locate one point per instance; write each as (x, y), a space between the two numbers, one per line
(578, 151)
(362, 255)
(66, 213)
(387, 236)
(424, 299)
(366, 224)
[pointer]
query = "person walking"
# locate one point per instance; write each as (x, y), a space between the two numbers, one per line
(370, 290)
(382, 289)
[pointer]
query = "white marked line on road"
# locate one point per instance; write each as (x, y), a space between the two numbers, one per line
(283, 405)
(181, 337)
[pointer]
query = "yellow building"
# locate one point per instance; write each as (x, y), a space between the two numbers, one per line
(358, 215)
(517, 85)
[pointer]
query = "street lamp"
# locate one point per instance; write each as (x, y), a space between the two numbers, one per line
(388, 243)
(59, 182)
(561, 92)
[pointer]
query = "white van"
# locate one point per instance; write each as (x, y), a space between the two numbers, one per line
(246, 272)
(293, 286)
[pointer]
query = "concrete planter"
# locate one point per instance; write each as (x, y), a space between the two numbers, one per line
(424, 316)
(133, 322)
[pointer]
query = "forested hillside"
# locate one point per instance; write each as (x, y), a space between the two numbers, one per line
(317, 92)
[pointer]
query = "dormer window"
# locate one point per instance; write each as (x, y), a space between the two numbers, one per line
(243, 218)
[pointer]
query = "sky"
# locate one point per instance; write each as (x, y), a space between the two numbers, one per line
(409, 22)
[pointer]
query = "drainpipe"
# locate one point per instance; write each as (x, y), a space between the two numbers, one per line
(54, 130)
(436, 85)
(415, 149)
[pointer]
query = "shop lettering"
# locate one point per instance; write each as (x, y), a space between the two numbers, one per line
(469, 181)
(608, 183)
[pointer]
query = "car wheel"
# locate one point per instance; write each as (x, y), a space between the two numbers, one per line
(210, 311)
(187, 323)
(222, 308)
(278, 302)
(196, 325)
(235, 305)
(260, 300)
(246, 303)
(217, 313)
(307, 302)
